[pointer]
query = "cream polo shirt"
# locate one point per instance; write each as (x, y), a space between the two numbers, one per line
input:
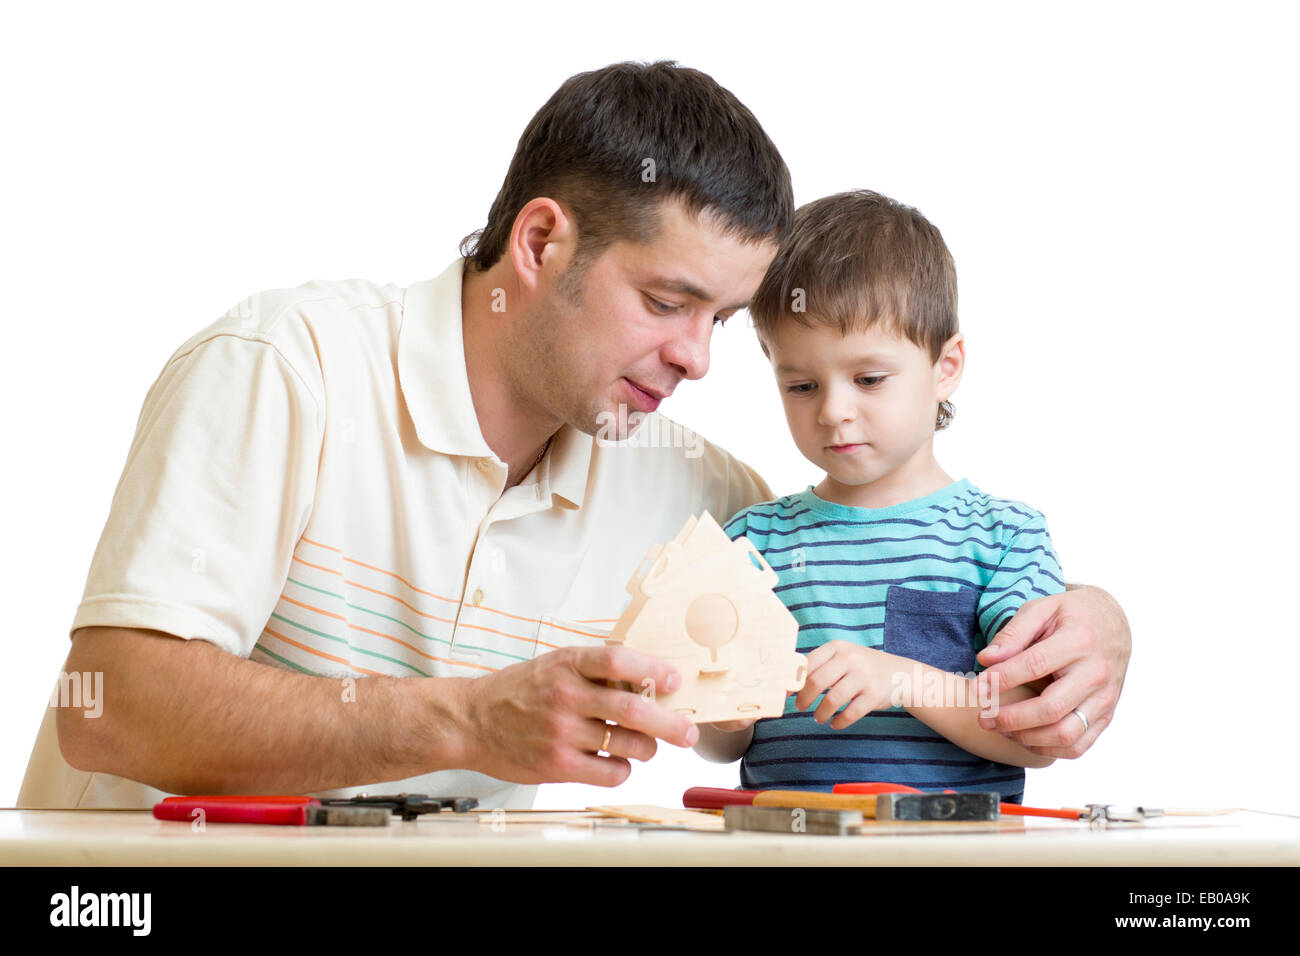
(308, 487)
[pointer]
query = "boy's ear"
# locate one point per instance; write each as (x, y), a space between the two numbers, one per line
(948, 369)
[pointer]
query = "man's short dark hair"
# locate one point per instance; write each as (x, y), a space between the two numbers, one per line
(612, 144)
(859, 259)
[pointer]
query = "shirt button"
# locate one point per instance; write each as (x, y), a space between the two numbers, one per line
(483, 465)
(477, 597)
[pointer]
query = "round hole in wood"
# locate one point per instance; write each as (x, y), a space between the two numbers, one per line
(711, 620)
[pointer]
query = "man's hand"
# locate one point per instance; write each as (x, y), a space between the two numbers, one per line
(847, 674)
(1081, 641)
(543, 721)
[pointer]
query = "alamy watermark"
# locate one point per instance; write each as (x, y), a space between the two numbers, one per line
(83, 689)
(76, 908)
(933, 688)
(634, 429)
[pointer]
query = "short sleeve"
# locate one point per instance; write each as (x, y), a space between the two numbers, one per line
(721, 483)
(745, 487)
(216, 491)
(737, 525)
(1029, 569)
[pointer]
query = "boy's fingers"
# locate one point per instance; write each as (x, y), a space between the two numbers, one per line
(859, 708)
(843, 692)
(818, 680)
(820, 655)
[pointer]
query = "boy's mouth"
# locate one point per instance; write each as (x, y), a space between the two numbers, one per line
(845, 449)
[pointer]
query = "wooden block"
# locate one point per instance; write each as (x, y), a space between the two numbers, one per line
(792, 820)
(666, 816)
(704, 603)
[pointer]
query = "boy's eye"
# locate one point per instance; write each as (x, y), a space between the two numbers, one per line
(803, 388)
(871, 381)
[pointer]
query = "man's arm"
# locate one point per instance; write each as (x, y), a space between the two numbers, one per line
(188, 717)
(1081, 640)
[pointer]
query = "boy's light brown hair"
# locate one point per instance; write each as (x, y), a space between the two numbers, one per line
(856, 260)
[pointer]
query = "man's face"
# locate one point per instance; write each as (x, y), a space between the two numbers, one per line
(614, 344)
(860, 406)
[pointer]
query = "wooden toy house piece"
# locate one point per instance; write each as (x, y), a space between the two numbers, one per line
(705, 604)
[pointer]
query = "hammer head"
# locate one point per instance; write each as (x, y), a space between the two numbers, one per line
(937, 806)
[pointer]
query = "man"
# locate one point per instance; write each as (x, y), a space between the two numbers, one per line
(338, 487)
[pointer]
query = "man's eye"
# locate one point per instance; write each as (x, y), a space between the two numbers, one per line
(719, 321)
(663, 308)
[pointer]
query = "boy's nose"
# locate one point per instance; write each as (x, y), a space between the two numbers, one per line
(835, 410)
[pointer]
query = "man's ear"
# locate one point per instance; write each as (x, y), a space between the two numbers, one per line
(542, 243)
(948, 369)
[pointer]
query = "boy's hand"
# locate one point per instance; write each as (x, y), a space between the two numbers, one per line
(847, 674)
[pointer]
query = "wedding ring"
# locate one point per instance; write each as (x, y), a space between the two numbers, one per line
(609, 732)
(1079, 714)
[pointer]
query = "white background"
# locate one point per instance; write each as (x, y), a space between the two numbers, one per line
(1117, 183)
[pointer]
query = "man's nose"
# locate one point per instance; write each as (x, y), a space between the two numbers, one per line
(688, 350)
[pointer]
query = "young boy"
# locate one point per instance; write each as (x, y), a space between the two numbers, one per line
(896, 573)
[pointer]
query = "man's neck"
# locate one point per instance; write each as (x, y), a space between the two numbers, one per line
(515, 431)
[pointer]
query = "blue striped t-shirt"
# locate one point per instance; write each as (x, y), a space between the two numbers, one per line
(931, 579)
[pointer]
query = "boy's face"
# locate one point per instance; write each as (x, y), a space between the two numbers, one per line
(862, 406)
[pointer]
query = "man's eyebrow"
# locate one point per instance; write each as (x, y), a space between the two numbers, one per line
(688, 288)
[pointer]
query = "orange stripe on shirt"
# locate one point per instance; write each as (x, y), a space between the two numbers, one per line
(393, 574)
(328, 657)
(432, 657)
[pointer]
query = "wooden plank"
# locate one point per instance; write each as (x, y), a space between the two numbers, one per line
(705, 820)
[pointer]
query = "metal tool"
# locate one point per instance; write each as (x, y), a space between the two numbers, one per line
(406, 805)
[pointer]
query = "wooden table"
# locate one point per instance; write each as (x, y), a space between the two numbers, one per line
(135, 838)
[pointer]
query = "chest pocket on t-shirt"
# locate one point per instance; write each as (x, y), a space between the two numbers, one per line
(938, 628)
(555, 632)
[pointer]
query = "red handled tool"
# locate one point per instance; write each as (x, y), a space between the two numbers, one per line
(284, 810)
(361, 810)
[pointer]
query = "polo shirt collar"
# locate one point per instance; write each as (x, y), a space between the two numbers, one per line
(435, 386)
(568, 463)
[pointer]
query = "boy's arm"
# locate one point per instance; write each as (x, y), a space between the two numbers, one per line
(956, 715)
(864, 679)
(720, 745)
